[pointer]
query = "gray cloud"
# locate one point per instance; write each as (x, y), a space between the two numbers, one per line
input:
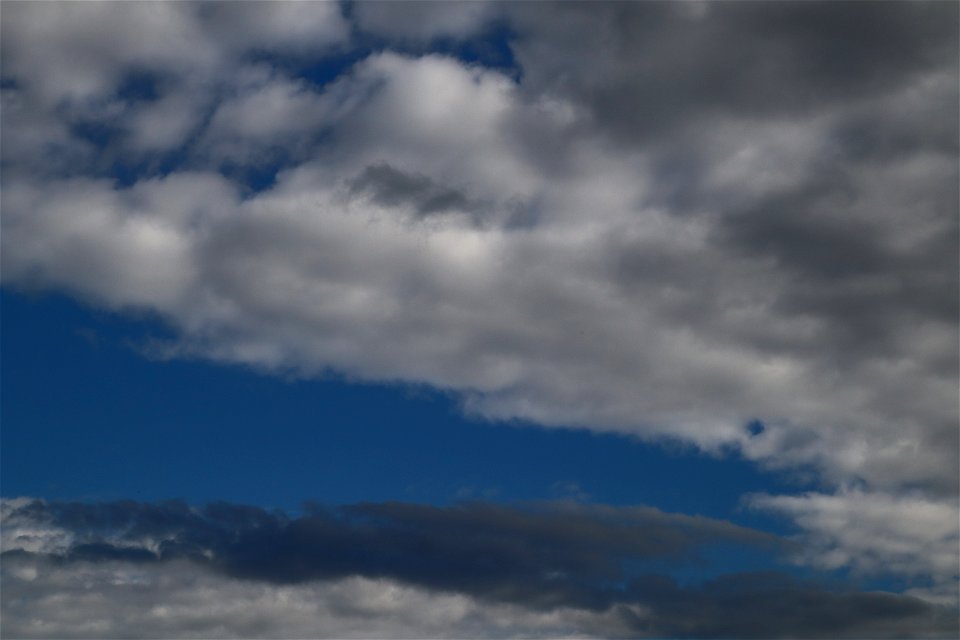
(644, 70)
(542, 556)
(141, 570)
(420, 22)
(184, 599)
(773, 606)
(180, 598)
(390, 187)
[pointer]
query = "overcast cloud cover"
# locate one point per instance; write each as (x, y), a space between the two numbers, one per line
(670, 220)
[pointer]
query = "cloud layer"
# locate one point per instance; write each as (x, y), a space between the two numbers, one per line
(140, 570)
(672, 221)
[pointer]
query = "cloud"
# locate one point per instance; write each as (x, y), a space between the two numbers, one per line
(672, 223)
(68, 53)
(907, 536)
(390, 187)
(77, 62)
(264, 118)
(645, 73)
(170, 570)
(183, 599)
(79, 231)
(769, 605)
(421, 22)
(543, 556)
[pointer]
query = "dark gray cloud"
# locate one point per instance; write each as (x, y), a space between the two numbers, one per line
(644, 69)
(771, 605)
(549, 558)
(542, 556)
(391, 187)
(666, 76)
(844, 270)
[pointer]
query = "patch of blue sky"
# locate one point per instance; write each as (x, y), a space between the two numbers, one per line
(89, 417)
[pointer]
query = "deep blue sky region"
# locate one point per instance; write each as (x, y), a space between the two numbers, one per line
(200, 433)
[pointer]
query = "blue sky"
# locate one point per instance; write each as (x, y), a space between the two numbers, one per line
(200, 434)
(369, 319)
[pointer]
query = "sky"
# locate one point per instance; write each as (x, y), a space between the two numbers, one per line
(403, 319)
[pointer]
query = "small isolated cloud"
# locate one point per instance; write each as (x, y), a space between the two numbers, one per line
(403, 570)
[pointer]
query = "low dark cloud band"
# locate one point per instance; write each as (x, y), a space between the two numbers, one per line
(542, 558)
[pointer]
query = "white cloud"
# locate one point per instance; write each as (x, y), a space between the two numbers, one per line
(66, 51)
(908, 535)
(180, 599)
(123, 249)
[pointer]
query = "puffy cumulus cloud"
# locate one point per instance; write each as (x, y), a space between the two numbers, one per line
(79, 231)
(169, 570)
(263, 119)
(674, 222)
(65, 52)
(144, 74)
(913, 536)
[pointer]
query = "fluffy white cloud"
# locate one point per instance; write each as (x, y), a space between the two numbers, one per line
(66, 52)
(180, 599)
(911, 536)
(127, 248)
(72, 59)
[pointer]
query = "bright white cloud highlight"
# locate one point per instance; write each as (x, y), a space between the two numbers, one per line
(874, 533)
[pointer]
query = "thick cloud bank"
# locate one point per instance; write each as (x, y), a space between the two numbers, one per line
(666, 219)
(399, 570)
